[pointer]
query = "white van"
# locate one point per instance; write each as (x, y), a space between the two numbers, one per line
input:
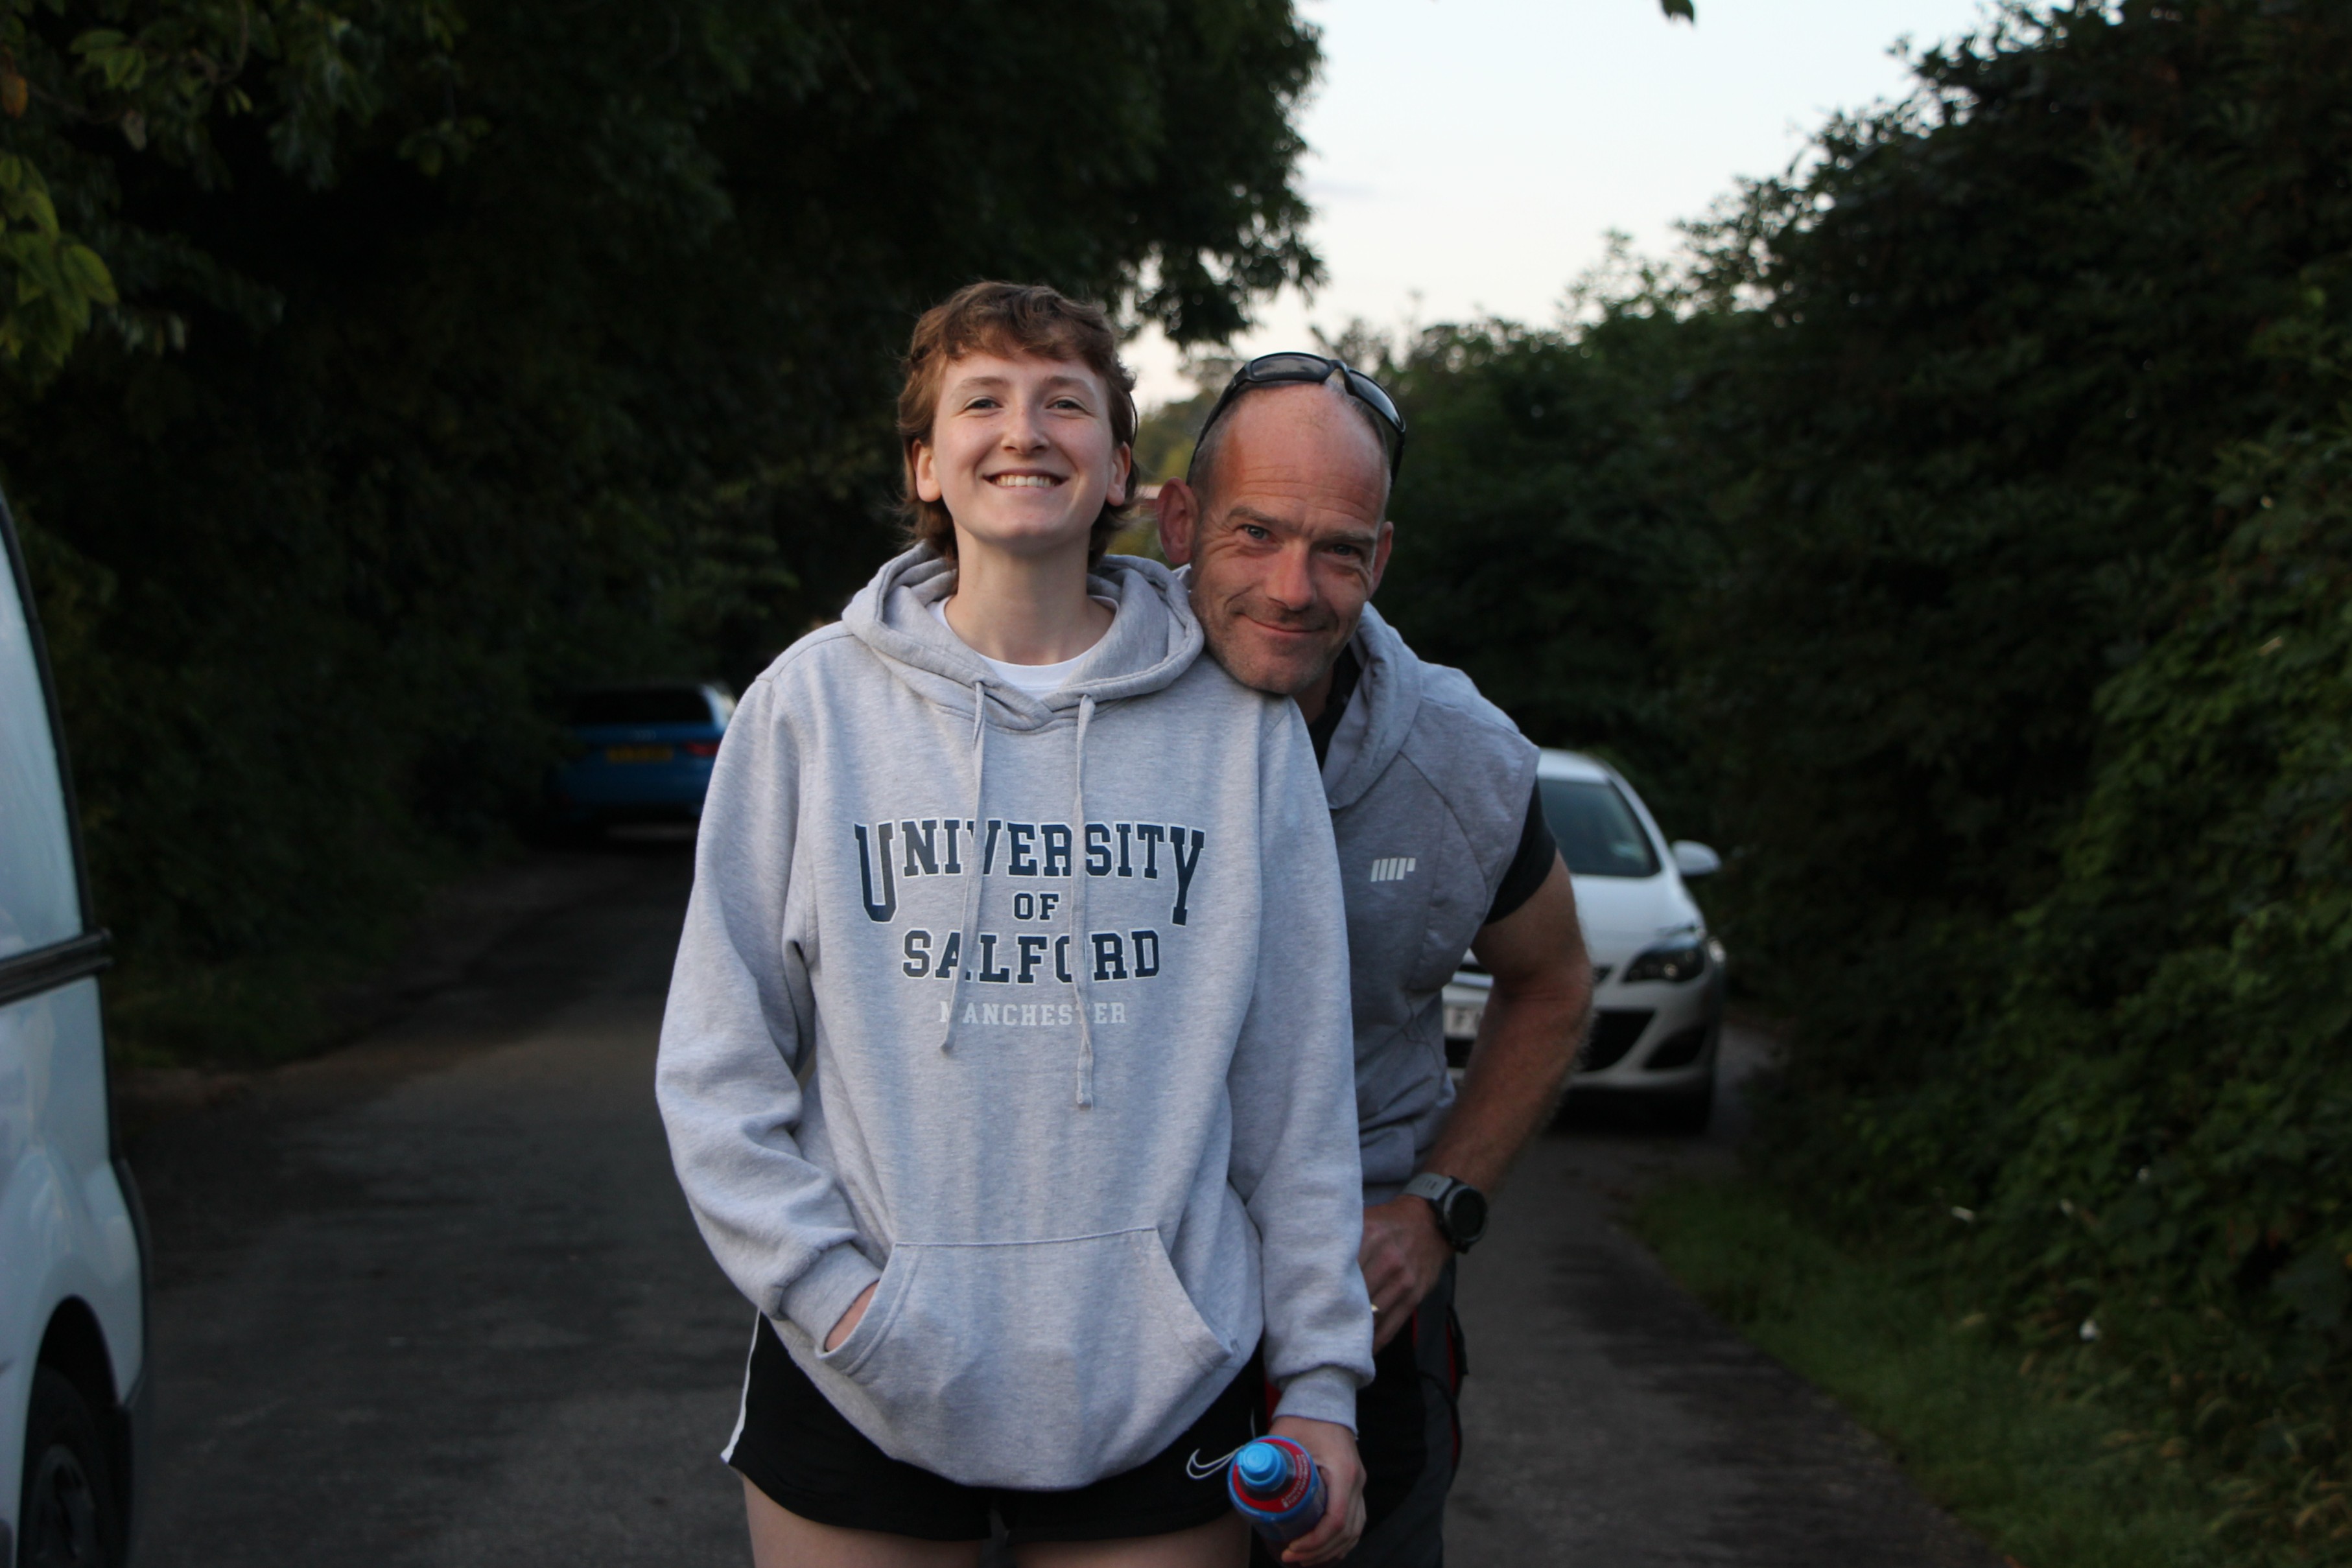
(73, 1247)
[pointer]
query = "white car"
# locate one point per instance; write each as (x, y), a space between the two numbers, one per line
(73, 1255)
(1658, 980)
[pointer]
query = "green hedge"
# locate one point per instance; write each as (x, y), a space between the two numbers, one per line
(1960, 540)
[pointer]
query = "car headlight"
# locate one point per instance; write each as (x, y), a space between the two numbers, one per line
(1677, 961)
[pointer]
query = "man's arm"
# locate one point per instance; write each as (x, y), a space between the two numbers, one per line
(1527, 1040)
(1535, 1021)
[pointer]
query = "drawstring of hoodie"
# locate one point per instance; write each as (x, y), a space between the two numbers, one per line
(1080, 972)
(972, 886)
(1077, 906)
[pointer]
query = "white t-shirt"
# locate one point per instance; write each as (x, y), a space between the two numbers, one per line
(1033, 680)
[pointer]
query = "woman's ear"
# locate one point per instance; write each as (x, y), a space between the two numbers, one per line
(926, 472)
(1122, 476)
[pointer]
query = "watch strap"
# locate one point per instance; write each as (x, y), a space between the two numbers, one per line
(1438, 1189)
(1434, 1185)
(1442, 1193)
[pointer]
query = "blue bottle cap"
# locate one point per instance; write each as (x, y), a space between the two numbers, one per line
(1262, 1467)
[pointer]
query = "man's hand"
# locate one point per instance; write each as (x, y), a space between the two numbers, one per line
(1334, 1449)
(1403, 1253)
(849, 1320)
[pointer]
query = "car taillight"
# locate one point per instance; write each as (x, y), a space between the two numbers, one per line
(700, 749)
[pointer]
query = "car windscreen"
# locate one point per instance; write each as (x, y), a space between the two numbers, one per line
(640, 704)
(1599, 834)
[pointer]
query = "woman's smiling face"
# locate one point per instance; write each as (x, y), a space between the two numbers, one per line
(1021, 453)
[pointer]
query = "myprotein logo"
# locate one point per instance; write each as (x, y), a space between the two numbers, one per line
(1394, 868)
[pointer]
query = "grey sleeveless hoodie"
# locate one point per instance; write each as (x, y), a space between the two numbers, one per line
(1034, 1011)
(1428, 784)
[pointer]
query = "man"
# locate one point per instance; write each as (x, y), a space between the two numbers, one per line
(1283, 522)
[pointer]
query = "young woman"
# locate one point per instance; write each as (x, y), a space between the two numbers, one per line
(1007, 1064)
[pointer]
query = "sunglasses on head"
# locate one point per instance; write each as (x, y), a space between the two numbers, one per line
(1313, 370)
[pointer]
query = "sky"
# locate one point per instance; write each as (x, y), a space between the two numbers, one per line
(1468, 156)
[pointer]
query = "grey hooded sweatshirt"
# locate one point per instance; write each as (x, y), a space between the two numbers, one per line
(1034, 1011)
(1429, 785)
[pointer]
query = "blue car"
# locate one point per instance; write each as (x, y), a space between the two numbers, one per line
(641, 752)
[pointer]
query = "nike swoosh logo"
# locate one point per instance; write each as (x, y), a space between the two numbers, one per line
(1199, 1471)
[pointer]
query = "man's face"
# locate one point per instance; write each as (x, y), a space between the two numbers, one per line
(1021, 452)
(1288, 543)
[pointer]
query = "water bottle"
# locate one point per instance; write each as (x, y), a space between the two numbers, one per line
(1275, 1485)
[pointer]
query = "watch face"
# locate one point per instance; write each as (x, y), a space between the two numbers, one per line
(1465, 1217)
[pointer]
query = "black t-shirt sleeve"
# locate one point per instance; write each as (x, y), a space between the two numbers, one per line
(1530, 865)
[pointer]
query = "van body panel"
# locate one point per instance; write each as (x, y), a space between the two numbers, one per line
(66, 1230)
(69, 1231)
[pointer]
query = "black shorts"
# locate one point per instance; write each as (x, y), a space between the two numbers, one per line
(806, 1457)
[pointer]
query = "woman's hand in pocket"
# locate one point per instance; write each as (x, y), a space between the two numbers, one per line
(849, 1320)
(1334, 1448)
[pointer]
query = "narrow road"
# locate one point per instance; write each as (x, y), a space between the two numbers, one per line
(1610, 1420)
(434, 1299)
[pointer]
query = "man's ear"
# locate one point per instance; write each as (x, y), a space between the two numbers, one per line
(1179, 515)
(1380, 553)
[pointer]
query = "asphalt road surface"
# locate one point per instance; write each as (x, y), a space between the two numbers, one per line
(434, 1299)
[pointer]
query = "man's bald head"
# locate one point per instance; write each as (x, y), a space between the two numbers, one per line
(1201, 472)
(1284, 523)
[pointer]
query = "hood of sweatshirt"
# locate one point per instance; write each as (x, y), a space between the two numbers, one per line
(1030, 1014)
(1379, 715)
(1154, 639)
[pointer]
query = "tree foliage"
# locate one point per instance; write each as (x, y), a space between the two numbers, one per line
(2010, 327)
(1549, 523)
(82, 81)
(2045, 450)
(2171, 1160)
(1966, 526)
(459, 351)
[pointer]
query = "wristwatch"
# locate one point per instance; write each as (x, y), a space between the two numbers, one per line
(1461, 1208)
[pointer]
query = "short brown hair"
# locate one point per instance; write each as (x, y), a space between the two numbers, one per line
(1026, 320)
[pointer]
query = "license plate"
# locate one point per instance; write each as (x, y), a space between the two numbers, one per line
(636, 754)
(1462, 1020)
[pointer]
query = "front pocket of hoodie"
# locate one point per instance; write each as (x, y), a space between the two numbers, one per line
(1037, 1364)
(881, 1310)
